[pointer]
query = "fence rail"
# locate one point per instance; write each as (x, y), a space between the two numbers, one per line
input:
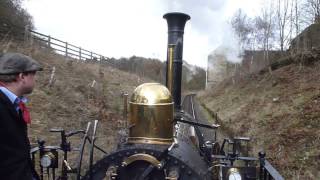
(59, 46)
(65, 48)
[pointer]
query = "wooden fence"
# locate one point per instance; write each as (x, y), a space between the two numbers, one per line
(59, 46)
(65, 48)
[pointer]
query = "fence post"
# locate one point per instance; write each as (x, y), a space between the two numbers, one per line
(27, 35)
(80, 53)
(66, 52)
(52, 76)
(49, 41)
(100, 61)
(91, 55)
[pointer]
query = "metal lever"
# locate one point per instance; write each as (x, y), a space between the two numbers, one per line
(56, 130)
(67, 165)
(71, 133)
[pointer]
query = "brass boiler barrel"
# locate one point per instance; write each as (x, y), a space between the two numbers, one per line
(151, 115)
(176, 23)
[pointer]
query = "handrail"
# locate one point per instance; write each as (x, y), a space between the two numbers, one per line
(270, 172)
(267, 171)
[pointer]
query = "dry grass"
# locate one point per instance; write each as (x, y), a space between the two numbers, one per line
(280, 112)
(70, 102)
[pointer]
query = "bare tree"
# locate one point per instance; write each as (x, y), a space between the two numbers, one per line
(282, 20)
(241, 25)
(311, 10)
(297, 16)
(264, 27)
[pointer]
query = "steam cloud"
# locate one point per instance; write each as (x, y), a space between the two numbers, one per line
(206, 18)
(230, 46)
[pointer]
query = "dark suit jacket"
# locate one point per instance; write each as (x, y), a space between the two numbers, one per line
(15, 162)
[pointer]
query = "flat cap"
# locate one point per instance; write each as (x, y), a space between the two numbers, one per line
(14, 63)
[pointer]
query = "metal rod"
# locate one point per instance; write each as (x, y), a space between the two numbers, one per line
(169, 80)
(93, 137)
(83, 143)
(125, 107)
(196, 124)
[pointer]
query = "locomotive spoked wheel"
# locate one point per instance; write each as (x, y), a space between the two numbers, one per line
(140, 164)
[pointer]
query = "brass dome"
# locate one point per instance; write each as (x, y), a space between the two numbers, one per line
(151, 94)
(151, 115)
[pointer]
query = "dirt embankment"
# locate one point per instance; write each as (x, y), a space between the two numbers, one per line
(80, 92)
(280, 111)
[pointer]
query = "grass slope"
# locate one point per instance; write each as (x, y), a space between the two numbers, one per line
(279, 111)
(71, 101)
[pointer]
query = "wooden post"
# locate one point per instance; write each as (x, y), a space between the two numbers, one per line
(66, 52)
(49, 41)
(93, 83)
(91, 55)
(80, 53)
(26, 33)
(28, 39)
(52, 76)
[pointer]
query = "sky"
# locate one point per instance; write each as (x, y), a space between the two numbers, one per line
(123, 28)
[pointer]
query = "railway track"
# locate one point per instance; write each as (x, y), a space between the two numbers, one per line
(190, 106)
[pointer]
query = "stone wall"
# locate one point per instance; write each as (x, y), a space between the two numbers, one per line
(255, 61)
(306, 40)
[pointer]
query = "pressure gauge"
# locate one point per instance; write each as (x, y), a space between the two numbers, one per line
(234, 174)
(47, 160)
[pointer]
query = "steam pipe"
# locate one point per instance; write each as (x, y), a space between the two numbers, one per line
(176, 23)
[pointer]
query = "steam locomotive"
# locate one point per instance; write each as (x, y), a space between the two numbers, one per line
(160, 144)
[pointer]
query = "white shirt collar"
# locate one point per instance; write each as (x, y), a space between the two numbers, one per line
(12, 97)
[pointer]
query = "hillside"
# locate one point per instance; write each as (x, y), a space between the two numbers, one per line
(193, 77)
(279, 111)
(73, 99)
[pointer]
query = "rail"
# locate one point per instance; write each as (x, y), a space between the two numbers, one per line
(266, 170)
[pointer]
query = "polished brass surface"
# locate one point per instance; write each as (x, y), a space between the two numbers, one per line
(151, 94)
(170, 67)
(145, 140)
(151, 115)
(142, 157)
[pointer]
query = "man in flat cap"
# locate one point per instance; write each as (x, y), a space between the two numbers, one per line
(17, 78)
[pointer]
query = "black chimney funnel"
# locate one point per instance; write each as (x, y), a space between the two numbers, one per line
(176, 22)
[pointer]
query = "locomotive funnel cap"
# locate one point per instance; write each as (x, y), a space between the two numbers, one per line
(151, 115)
